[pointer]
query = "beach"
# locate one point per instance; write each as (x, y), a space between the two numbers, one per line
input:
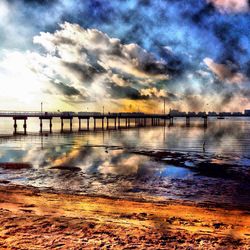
(41, 219)
(124, 124)
(97, 191)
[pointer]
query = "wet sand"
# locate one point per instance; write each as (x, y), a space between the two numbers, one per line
(35, 219)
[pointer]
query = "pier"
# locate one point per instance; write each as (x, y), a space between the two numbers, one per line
(108, 120)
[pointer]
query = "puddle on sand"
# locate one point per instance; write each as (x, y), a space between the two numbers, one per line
(175, 172)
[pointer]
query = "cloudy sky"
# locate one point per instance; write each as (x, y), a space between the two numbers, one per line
(125, 54)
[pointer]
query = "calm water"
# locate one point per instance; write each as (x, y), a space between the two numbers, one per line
(141, 163)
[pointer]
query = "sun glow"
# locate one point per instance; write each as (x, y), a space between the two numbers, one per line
(18, 81)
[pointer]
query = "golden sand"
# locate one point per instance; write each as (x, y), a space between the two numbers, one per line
(33, 219)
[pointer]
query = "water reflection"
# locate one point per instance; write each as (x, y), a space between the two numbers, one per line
(140, 163)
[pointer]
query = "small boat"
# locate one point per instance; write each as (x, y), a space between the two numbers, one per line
(221, 117)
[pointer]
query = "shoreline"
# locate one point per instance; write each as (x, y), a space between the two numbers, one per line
(158, 200)
(31, 217)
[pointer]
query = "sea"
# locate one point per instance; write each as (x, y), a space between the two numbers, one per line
(206, 165)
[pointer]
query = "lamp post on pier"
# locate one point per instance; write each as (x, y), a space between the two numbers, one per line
(41, 107)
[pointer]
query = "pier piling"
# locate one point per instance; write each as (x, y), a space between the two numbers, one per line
(187, 121)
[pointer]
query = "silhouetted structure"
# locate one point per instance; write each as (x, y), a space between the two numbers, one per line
(138, 119)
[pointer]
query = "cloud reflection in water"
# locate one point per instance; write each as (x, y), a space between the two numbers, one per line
(107, 163)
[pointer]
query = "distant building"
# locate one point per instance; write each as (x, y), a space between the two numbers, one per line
(247, 112)
(177, 113)
(174, 111)
(225, 114)
(201, 113)
(191, 113)
(237, 114)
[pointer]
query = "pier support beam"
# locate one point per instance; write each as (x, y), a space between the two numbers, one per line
(62, 125)
(50, 125)
(80, 122)
(96, 118)
(71, 124)
(187, 121)
(119, 122)
(25, 126)
(41, 123)
(70, 118)
(24, 118)
(107, 123)
(15, 126)
(114, 120)
(94, 123)
(205, 121)
(171, 121)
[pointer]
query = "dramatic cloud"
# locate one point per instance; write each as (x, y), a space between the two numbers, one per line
(87, 60)
(126, 53)
(95, 50)
(224, 72)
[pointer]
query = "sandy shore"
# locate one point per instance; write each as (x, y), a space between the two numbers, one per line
(33, 219)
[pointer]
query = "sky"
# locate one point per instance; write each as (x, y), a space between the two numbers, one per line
(125, 55)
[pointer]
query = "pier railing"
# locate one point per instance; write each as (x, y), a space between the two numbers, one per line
(27, 113)
(4, 113)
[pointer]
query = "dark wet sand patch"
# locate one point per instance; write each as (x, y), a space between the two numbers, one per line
(66, 167)
(15, 165)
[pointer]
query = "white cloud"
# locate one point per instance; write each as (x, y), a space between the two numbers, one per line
(81, 65)
(87, 59)
(231, 5)
(153, 92)
(91, 48)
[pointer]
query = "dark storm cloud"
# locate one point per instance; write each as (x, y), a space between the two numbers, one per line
(66, 90)
(86, 73)
(203, 13)
(37, 2)
(152, 25)
(246, 69)
(120, 92)
(227, 97)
